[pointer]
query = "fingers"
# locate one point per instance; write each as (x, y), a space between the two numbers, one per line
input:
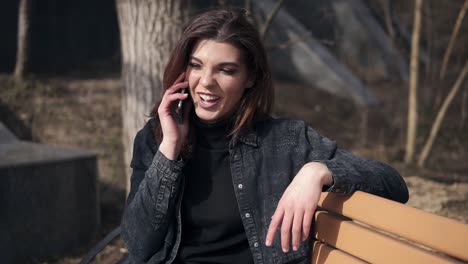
(176, 96)
(307, 223)
(168, 100)
(285, 219)
(179, 83)
(176, 87)
(296, 208)
(170, 95)
(286, 231)
(275, 222)
(297, 228)
(180, 78)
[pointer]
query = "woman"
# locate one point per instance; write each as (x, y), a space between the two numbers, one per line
(219, 180)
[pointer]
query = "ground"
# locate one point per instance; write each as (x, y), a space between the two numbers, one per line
(85, 113)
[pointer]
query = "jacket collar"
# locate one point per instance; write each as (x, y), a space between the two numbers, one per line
(249, 137)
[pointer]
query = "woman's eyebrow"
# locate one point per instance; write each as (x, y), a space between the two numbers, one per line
(195, 59)
(222, 64)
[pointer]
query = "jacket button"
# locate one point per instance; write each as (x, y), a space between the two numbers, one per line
(256, 244)
(247, 215)
(240, 186)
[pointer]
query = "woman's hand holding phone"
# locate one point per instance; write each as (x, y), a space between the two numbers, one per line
(174, 120)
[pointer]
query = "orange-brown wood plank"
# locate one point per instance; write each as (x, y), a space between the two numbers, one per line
(437, 232)
(369, 245)
(322, 253)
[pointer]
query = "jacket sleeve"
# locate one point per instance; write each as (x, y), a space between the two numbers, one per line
(155, 187)
(351, 173)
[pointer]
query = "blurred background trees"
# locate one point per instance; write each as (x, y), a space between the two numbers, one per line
(343, 48)
(89, 72)
(63, 35)
(336, 46)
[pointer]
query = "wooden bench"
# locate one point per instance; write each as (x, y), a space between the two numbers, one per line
(363, 228)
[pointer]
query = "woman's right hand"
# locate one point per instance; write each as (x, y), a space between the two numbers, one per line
(174, 132)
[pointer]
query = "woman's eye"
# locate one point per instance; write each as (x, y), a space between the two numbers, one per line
(194, 65)
(228, 71)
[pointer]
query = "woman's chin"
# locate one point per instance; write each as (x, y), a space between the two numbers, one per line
(207, 117)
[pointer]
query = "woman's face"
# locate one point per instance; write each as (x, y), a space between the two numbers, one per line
(218, 77)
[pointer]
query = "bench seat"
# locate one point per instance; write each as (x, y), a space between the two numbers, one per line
(364, 228)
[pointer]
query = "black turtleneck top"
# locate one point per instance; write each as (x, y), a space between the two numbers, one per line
(212, 230)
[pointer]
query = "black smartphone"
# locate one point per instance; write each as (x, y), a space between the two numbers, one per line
(179, 111)
(180, 103)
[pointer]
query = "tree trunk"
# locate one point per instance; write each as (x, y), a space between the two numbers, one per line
(148, 30)
(23, 45)
(413, 85)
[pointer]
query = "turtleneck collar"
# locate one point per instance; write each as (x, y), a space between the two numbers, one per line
(213, 135)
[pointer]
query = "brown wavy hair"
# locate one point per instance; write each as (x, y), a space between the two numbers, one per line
(231, 26)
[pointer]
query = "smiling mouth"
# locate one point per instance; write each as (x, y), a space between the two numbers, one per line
(209, 98)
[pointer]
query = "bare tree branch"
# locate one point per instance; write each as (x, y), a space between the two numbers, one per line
(453, 37)
(270, 18)
(440, 116)
(387, 10)
(463, 107)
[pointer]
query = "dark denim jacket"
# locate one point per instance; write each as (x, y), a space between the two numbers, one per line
(263, 164)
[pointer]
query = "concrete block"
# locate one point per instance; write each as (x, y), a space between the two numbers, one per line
(49, 200)
(5, 135)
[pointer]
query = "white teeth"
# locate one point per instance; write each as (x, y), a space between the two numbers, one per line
(206, 97)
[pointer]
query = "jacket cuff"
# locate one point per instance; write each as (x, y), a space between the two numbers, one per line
(341, 183)
(171, 169)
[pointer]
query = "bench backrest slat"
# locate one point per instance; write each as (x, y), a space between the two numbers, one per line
(368, 244)
(436, 232)
(323, 253)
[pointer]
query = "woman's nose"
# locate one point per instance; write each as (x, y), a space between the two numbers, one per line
(207, 79)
